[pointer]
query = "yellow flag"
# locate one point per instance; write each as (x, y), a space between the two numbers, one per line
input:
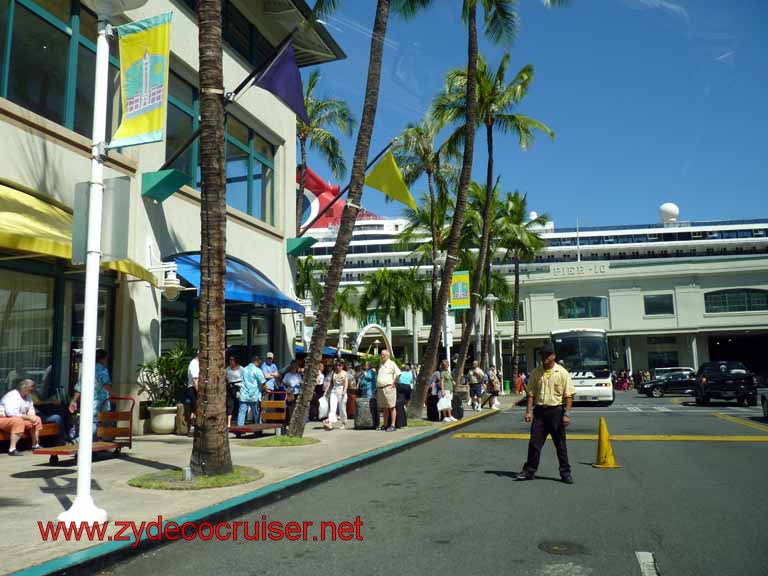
(386, 177)
(144, 57)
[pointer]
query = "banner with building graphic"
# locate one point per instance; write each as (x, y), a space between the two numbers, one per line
(144, 56)
(460, 291)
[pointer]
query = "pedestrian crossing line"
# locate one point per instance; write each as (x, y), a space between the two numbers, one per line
(647, 563)
(619, 437)
(634, 409)
(662, 409)
(736, 420)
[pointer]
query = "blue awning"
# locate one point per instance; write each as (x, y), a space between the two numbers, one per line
(242, 283)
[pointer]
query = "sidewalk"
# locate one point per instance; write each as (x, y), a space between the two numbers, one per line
(31, 490)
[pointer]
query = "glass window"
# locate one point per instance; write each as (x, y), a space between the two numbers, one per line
(583, 307)
(179, 128)
(237, 178)
(237, 130)
(659, 304)
(86, 70)
(61, 9)
(265, 149)
(506, 314)
(103, 330)
(175, 323)
(664, 359)
(26, 330)
(3, 27)
(38, 70)
(182, 90)
(736, 301)
(262, 183)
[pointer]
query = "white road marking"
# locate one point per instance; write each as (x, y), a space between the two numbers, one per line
(647, 563)
(662, 409)
(634, 409)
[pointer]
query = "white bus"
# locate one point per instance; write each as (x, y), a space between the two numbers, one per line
(584, 353)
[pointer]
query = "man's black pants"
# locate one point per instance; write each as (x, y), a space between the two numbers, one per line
(547, 421)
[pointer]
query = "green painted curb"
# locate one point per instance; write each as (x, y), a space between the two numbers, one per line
(102, 552)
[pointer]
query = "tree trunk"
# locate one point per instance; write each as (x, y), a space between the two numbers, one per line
(435, 247)
(333, 276)
(415, 359)
(516, 316)
(210, 449)
(416, 407)
(477, 278)
(302, 182)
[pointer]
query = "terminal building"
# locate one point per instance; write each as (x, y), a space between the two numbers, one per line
(47, 62)
(672, 293)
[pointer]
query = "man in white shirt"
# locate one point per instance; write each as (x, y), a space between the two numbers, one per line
(386, 390)
(271, 372)
(17, 414)
(190, 403)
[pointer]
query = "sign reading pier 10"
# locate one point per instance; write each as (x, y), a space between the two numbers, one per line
(460, 291)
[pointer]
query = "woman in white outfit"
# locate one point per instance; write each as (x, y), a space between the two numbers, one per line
(338, 399)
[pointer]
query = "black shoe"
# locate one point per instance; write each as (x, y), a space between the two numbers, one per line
(15, 453)
(567, 479)
(523, 476)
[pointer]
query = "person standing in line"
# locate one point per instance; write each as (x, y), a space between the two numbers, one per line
(476, 377)
(493, 388)
(234, 383)
(550, 397)
(446, 390)
(292, 382)
(250, 391)
(271, 372)
(102, 389)
(190, 397)
(368, 381)
(386, 390)
(338, 397)
(405, 384)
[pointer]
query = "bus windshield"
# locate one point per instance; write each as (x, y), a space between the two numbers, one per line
(583, 353)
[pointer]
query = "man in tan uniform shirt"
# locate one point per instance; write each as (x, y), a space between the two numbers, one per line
(550, 397)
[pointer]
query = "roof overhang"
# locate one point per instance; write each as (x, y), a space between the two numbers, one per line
(277, 18)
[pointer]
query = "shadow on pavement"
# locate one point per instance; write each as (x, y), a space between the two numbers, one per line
(512, 475)
(148, 463)
(45, 473)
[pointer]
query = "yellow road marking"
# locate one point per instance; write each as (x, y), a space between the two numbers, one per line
(747, 423)
(623, 437)
(677, 400)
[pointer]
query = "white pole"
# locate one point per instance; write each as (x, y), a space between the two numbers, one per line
(83, 508)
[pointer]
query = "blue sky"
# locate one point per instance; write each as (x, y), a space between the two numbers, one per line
(651, 100)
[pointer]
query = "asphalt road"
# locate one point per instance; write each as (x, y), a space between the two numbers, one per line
(450, 506)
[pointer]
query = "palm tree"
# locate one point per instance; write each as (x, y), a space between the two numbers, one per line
(384, 290)
(518, 236)
(307, 284)
(407, 8)
(417, 156)
(496, 100)
(500, 23)
(414, 292)
(210, 449)
(345, 305)
(323, 113)
(435, 217)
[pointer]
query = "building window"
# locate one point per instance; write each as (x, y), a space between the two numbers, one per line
(665, 359)
(736, 301)
(662, 340)
(506, 314)
(582, 307)
(659, 304)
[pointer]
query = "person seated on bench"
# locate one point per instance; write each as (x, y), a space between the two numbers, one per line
(52, 411)
(17, 415)
(102, 389)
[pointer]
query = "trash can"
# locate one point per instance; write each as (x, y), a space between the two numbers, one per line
(507, 389)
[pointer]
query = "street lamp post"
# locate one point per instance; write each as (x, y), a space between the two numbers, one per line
(490, 300)
(440, 261)
(84, 509)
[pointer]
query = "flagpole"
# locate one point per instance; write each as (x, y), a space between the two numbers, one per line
(232, 97)
(346, 189)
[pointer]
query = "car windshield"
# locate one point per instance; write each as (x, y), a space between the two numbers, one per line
(732, 368)
(583, 354)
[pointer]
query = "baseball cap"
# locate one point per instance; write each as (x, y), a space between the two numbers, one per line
(270, 355)
(547, 349)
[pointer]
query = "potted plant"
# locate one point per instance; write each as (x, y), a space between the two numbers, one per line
(163, 381)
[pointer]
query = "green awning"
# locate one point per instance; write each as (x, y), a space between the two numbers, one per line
(299, 246)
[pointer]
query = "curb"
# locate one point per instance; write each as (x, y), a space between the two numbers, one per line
(95, 558)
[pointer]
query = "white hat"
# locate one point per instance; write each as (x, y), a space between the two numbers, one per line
(270, 355)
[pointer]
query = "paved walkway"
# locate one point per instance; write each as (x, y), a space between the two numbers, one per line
(31, 490)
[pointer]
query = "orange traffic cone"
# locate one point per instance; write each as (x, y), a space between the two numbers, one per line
(604, 450)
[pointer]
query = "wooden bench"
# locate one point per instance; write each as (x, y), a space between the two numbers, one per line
(47, 431)
(256, 429)
(275, 409)
(108, 426)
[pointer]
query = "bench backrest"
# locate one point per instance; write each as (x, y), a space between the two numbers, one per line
(273, 410)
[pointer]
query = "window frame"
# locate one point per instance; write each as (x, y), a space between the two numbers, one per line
(602, 299)
(647, 314)
(745, 291)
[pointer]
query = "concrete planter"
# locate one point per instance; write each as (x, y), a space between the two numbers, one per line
(162, 419)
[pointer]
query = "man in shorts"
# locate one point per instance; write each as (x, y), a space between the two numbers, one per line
(476, 377)
(386, 390)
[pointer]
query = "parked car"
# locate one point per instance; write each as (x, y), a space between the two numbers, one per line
(670, 383)
(659, 372)
(762, 395)
(726, 380)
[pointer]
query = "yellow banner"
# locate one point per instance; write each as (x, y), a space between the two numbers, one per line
(144, 54)
(460, 291)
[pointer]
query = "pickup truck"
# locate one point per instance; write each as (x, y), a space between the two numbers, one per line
(725, 380)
